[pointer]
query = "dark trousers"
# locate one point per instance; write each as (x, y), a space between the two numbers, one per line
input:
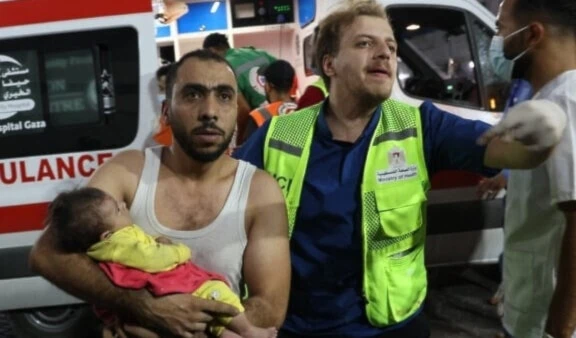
(417, 328)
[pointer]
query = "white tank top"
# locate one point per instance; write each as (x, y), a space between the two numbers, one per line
(218, 247)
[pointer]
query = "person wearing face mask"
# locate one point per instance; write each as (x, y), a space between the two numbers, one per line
(536, 41)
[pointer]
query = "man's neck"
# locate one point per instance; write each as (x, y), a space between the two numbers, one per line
(551, 62)
(182, 165)
(280, 97)
(348, 116)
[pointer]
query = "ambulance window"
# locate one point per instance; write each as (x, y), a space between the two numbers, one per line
(435, 60)
(69, 92)
(71, 87)
(496, 90)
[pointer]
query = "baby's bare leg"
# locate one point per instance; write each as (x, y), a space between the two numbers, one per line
(229, 334)
(242, 326)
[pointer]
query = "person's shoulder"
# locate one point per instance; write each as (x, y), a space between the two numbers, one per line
(264, 190)
(434, 116)
(128, 158)
(264, 197)
(120, 173)
(427, 107)
(256, 111)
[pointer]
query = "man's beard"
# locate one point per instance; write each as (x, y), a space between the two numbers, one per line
(369, 99)
(185, 141)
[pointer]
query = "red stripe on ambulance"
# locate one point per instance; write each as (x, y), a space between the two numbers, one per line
(23, 12)
(18, 218)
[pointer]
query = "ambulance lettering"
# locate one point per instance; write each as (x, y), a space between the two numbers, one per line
(19, 93)
(59, 168)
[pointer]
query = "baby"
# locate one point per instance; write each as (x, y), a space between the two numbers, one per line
(89, 220)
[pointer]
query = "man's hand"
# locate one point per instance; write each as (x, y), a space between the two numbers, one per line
(180, 315)
(488, 188)
(537, 124)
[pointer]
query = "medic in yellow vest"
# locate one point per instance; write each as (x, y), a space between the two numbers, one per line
(354, 172)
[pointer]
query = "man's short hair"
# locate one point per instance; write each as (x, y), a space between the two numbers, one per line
(280, 74)
(76, 220)
(560, 13)
(332, 27)
(162, 71)
(200, 54)
(217, 41)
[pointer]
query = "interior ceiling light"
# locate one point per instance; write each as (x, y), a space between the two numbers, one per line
(413, 27)
(215, 6)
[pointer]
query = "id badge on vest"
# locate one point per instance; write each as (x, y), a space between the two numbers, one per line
(398, 169)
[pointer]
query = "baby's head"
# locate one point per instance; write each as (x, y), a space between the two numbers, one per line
(83, 217)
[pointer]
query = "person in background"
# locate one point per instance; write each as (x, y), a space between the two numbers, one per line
(313, 94)
(537, 40)
(317, 91)
(245, 61)
(489, 187)
(278, 83)
(163, 135)
(354, 171)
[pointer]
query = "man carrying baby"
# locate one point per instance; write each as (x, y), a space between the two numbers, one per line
(230, 213)
(89, 220)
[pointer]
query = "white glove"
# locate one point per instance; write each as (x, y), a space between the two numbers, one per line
(537, 124)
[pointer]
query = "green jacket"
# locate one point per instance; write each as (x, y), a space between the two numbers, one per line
(246, 62)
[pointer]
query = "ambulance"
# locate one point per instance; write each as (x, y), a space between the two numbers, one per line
(77, 86)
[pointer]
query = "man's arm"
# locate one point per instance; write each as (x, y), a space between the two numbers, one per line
(513, 155)
(526, 136)
(179, 314)
(267, 256)
(562, 314)
(85, 281)
(561, 172)
(455, 143)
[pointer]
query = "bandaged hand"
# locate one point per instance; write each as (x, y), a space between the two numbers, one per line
(537, 124)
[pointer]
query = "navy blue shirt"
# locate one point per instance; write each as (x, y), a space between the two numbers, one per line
(326, 247)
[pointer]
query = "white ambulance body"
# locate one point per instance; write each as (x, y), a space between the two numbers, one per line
(76, 87)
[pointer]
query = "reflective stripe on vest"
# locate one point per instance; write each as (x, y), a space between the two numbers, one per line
(260, 116)
(394, 185)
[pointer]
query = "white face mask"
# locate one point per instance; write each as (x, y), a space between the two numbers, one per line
(501, 66)
(161, 98)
